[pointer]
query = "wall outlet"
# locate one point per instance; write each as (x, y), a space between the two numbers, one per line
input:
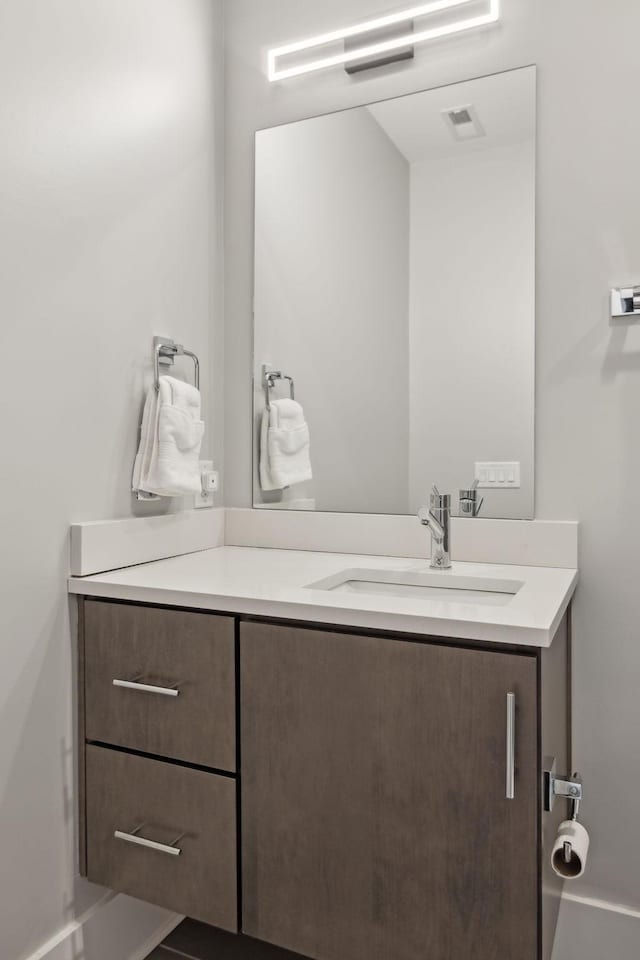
(210, 481)
(498, 476)
(210, 485)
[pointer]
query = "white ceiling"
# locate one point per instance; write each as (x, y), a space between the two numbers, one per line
(504, 103)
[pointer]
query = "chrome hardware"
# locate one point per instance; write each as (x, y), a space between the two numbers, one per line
(625, 301)
(469, 506)
(565, 787)
(136, 684)
(436, 517)
(134, 837)
(269, 380)
(143, 496)
(511, 747)
(404, 29)
(165, 351)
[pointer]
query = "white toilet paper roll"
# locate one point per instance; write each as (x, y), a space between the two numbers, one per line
(570, 831)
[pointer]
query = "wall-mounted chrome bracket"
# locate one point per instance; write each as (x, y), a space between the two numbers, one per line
(167, 350)
(145, 497)
(164, 353)
(625, 301)
(352, 44)
(565, 787)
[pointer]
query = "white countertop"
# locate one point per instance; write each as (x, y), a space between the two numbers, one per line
(274, 583)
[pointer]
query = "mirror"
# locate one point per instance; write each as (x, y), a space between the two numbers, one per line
(394, 298)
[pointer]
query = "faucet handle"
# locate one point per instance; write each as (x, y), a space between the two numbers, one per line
(469, 506)
(427, 519)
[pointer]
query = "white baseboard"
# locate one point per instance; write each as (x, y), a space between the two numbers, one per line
(120, 928)
(590, 929)
(114, 928)
(156, 938)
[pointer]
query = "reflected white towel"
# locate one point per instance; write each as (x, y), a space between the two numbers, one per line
(284, 446)
(168, 460)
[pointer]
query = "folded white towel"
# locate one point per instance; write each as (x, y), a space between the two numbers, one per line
(284, 446)
(168, 457)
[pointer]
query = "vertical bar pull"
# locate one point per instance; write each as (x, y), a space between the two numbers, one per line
(511, 746)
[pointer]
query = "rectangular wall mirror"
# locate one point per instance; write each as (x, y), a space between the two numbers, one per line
(394, 299)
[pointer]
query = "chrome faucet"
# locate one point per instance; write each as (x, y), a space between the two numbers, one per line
(436, 517)
(469, 504)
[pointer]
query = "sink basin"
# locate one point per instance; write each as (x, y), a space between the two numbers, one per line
(421, 586)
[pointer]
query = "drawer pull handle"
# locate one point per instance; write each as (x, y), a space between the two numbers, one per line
(147, 687)
(134, 837)
(511, 746)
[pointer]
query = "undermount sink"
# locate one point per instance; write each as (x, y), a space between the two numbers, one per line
(425, 586)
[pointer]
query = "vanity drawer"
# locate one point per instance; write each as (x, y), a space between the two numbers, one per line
(173, 808)
(188, 661)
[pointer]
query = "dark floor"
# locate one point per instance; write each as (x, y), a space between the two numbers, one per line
(195, 941)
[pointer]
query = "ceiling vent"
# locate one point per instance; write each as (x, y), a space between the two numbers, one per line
(463, 122)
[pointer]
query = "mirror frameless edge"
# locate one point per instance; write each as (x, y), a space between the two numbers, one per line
(394, 286)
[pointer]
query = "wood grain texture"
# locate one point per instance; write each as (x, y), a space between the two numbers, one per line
(194, 650)
(125, 791)
(374, 818)
(555, 730)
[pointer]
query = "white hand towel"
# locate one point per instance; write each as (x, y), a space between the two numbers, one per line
(148, 428)
(266, 480)
(284, 446)
(168, 457)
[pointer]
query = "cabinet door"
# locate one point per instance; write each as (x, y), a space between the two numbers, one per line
(374, 812)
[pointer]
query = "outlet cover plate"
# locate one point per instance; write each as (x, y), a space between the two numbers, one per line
(204, 499)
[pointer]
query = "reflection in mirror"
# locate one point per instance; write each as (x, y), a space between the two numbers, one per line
(394, 303)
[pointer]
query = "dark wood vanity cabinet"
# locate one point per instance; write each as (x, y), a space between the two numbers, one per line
(378, 815)
(157, 708)
(375, 818)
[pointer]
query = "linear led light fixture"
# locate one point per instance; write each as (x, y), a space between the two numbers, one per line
(412, 38)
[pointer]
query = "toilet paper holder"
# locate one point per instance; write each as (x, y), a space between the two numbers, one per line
(563, 786)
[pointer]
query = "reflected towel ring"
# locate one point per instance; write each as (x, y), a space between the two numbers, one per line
(269, 379)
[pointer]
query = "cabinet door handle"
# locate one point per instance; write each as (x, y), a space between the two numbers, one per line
(511, 746)
(147, 688)
(134, 837)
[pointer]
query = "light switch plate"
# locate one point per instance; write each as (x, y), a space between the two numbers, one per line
(498, 476)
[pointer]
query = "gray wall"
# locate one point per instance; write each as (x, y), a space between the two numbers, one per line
(471, 326)
(588, 369)
(109, 232)
(332, 302)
